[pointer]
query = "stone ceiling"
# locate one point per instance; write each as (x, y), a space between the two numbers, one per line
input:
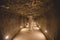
(26, 7)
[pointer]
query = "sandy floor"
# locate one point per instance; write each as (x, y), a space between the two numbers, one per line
(30, 35)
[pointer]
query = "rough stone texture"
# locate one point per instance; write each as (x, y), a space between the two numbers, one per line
(14, 12)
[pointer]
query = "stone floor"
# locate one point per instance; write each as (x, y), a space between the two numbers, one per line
(30, 35)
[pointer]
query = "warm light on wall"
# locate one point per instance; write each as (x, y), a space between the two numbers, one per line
(45, 31)
(7, 37)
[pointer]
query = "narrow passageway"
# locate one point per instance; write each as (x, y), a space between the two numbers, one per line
(31, 32)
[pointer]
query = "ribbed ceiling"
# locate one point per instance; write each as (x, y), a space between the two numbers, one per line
(26, 7)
